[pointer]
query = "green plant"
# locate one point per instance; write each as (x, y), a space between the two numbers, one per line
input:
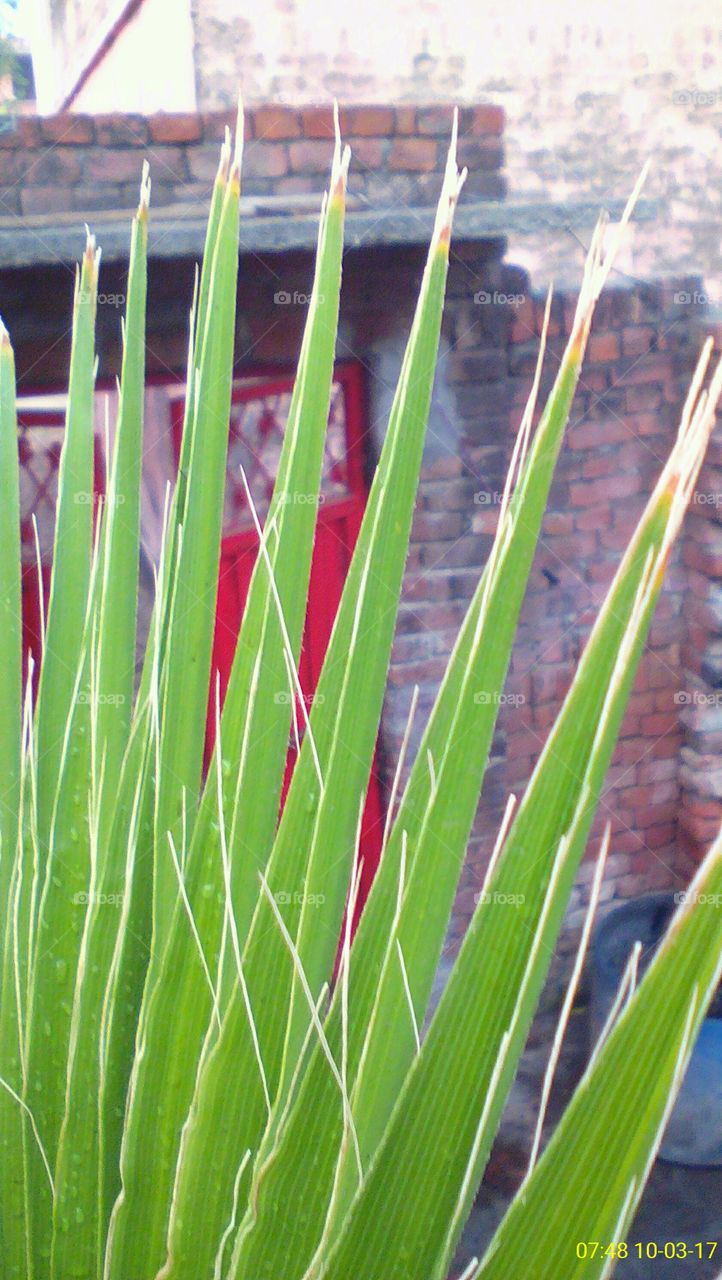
(187, 1091)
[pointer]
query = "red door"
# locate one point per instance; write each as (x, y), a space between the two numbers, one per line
(259, 413)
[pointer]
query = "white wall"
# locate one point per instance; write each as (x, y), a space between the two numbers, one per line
(149, 67)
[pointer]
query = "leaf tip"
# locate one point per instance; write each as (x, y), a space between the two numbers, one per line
(144, 201)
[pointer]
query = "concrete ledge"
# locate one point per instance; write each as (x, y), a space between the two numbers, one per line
(177, 232)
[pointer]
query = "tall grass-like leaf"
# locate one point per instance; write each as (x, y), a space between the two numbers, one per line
(611, 1131)
(80, 1213)
(71, 550)
(479, 660)
(432, 826)
(254, 731)
(133, 877)
(63, 768)
(481, 1023)
(13, 1247)
(118, 603)
(187, 658)
(317, 818)
(10, 625)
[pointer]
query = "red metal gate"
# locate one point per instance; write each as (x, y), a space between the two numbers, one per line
(259, 412)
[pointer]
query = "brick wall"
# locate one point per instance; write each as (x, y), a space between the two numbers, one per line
(84, 163)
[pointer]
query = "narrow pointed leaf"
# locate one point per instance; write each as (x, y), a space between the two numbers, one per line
(611, 1130)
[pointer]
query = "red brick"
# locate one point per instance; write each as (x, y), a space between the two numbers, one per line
(594, 518)
(645, 396)
(317, 122)
(657, 770)
(54, 166)
(523, 746)
(367, 122)
(28, 131)
(12, 167)
(443, 467)
(413, 155)
(428, 526)
(367, 153)
(602, 347)
(523, 326)
(310, 156)
(589, 435)
(653, 368)
(215, 123)
(405, 122)
(203, 162)
(178, 127)
(610, 489)
(102, 165)
(702, 830)
(558, 524)
(705, 560)
(265, 160)
(119, 130)
(276, 122)
(637, 340)
(67, 128)
(436, 120)
(660, 725)
(483, 118)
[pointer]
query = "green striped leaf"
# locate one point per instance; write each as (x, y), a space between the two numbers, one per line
(13, 1241)
(79, 1212)
(433, 824)
(63, 770)
(187, 659)
(71, 550)
(481, 1023)
(10, 625)
(254, 732)
(317, 817)
(611, 1130)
